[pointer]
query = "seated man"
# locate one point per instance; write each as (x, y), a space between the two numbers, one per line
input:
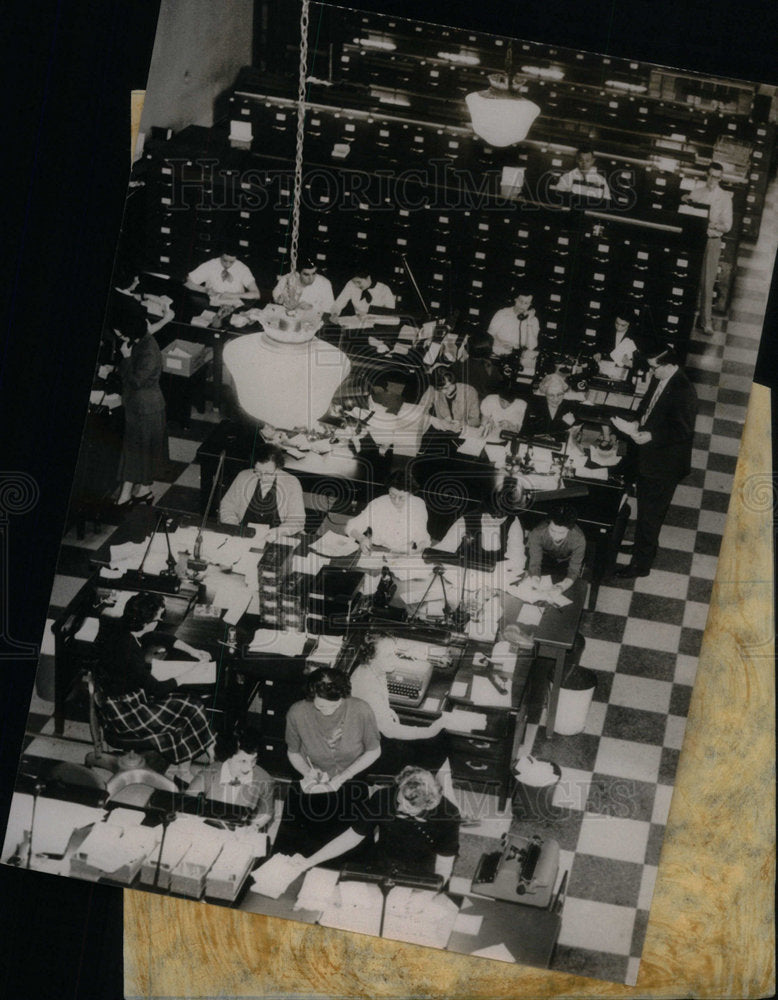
(364, 294)
(304, 288)
(265, 495)
(584, 180)
(226, 280)
(408, 826)
(557, 548)
(236, 780)
(515, 327)
(396, 521)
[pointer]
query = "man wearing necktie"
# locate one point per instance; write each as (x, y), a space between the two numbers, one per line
(663, 433)
(226, 280)
(719, 203)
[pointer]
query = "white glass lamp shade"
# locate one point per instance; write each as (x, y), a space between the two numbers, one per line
(500, 120)
(286, 385)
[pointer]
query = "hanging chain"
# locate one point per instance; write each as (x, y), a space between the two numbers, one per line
(298, 162)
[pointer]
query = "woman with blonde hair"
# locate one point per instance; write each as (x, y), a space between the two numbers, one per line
(551, 412)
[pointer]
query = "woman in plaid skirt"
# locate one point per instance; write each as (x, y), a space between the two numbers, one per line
(136, 704)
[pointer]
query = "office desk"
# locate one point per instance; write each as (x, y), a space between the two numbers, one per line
(554, 637)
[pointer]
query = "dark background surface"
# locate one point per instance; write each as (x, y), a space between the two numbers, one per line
(69, 68)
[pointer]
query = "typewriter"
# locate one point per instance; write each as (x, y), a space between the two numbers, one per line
(523, 871)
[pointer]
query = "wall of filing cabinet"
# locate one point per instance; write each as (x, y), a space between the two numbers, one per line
(466, 246)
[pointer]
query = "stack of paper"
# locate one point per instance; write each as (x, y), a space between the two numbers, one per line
(419, 916)
(332, 545)
(318, 890)
(358, 907)
(278, 642)
(185, 671)
(274, 876)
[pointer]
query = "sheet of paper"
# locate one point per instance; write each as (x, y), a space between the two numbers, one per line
(332, 544)
(55, 822)
(274, 876)
(419, 916)
(530, 614)
(185, 671)
(483, 692)
(497, 454)
(461, 721)
(358, 909)
(495, 951)
(318, 889)
(279, 642)
(430, 704)
(472, 447)
(237, 608)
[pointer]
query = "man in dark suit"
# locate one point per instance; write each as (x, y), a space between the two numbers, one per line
(663, 434)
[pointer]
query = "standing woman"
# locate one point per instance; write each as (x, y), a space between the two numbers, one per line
(145, 430)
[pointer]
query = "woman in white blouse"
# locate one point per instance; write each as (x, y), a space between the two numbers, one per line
(396, 521)
(502, 411)
(494, 533)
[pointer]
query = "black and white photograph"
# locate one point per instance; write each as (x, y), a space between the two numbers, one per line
(407, 460)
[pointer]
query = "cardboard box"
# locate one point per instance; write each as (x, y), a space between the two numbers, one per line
(182, 357)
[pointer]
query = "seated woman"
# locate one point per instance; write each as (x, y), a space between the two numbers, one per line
(408, 826)
(331, 738)
(424, 746)
(551, 413)
(502, 411)
(454, 404)
(492, 534)
(265, 495)
(396, 521)
(137, 705)
(236, 780)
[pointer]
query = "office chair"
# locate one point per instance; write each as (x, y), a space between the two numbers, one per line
(112, 752)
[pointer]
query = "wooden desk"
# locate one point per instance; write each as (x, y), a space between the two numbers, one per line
(554, 637)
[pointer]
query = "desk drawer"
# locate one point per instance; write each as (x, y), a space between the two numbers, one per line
(479, 747)
(473, 768)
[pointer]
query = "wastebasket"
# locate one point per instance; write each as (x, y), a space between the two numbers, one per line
(535, 781)
(575, 697)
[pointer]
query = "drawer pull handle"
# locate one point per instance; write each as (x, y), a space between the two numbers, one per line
(473, 766)
(480, 745)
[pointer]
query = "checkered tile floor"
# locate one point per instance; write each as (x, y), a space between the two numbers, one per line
(642, 642)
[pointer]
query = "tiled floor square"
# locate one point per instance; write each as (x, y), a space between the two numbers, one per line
(190, 477)
(675, 726)
(695, 615)
(691, 641)
(707, 543)
(712, 521)
(612, 837)
(597, 926)
(722, 463)
(685, 670)
(181, 450)
(725, 411)
(577, 752)
(633, 970)
(682, 517)
(651, 607)
(739, 367)
(602, 692)
(647, 884)
(704, 566)
(703, 425)
(668, 765)
(663, 584)
(600, 654)
(633, 724)
(687, 496)
(573, 789)
(740, 384)
(662, 799)
(595, 718)
(677, 539)
(700, 591)
(639, 933)
(715, 500)
(652, 635)
(641, 693)
(605, 880)
(614, 601)
(652, 664)
(564, 826)
(707, 392)
(672, 561)
(624, 759)
(624, 798)
(680, 699)
(721, 445)
(654, 847)
(598, 625)
(706, 407)
(727, 428)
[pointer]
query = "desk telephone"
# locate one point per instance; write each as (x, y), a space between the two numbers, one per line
(524, 871)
